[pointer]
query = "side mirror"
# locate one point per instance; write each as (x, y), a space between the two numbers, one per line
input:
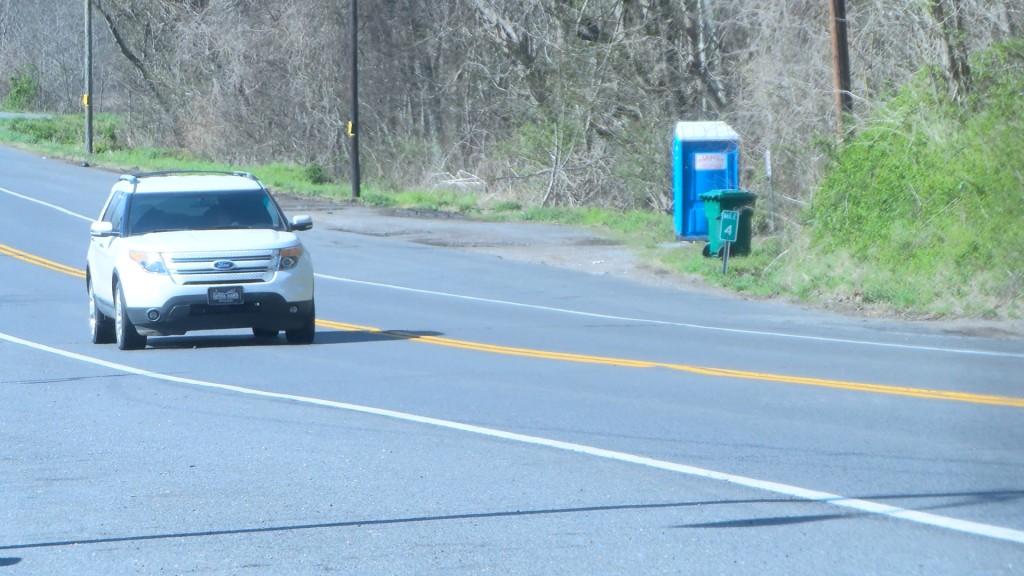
(302, 222)
(101, 229)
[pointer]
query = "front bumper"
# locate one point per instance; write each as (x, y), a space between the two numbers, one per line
(181, 314)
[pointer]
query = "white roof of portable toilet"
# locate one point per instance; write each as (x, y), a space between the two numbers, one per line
(714, 130)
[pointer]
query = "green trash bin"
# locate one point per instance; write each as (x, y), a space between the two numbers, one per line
(715, 202)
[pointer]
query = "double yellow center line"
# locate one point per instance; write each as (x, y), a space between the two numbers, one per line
(39, 261)
(719, 372)
(1007, 401)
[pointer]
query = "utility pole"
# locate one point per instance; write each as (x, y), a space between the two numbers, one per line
(353, 123)
(840, 64)
(87, 95)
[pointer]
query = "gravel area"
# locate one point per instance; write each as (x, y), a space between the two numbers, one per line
(563, 246)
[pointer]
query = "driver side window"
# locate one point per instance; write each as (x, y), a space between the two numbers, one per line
(115, 212)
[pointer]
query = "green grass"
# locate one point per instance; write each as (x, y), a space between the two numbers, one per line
(427, 200)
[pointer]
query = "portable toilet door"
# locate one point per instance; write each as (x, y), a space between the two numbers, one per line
(705, 157)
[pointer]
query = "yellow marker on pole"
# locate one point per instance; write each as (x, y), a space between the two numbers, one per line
(85, 100)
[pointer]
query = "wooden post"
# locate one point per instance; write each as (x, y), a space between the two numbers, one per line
(87, 95)
(840, 64)
(353, 126)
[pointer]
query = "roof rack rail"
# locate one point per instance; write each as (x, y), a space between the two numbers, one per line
(131, 179)
(174, 172)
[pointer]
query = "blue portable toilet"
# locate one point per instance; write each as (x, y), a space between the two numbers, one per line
(705, 157)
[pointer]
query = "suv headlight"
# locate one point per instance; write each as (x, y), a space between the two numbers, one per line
(289, 257)
(150, 261)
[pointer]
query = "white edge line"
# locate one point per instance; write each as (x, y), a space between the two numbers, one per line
(680, 324)
(865, 506)
(47, 204)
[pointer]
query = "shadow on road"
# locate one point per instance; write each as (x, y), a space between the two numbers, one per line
(961, 499)
(323, 337)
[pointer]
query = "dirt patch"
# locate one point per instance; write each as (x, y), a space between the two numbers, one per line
(554, 245)
(567, 247)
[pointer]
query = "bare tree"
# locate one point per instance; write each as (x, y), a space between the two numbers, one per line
(948, 16)
(42, 41)
(553, 101)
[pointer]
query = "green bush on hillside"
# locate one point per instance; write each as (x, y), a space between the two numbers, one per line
(24, 89)
(933, 194)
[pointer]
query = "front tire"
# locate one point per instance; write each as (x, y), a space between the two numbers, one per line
(100, 326)
(128, 338)
(306, 333)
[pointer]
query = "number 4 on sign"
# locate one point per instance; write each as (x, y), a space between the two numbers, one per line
(730, 222)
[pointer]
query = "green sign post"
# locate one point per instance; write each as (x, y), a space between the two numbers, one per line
(728, 233)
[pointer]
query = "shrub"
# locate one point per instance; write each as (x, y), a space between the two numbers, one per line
(23, 92)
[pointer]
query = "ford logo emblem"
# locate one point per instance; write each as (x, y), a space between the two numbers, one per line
(223, 264)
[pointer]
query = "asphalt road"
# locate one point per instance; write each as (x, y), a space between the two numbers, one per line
(462, 413)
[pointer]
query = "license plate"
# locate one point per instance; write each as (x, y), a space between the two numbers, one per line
(227, 295)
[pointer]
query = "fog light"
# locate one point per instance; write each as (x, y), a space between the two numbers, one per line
(153, 314)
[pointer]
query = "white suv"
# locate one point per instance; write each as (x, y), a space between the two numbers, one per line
(178, 251)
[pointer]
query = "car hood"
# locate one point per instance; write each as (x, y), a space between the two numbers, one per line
(216, 240)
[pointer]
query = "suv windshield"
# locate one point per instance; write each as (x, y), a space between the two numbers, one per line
(222, 210)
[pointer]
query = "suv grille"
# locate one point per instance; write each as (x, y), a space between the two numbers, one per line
(223, 267)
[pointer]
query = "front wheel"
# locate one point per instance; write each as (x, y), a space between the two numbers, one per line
(128, 338)
(306, 333)
(101, 327)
